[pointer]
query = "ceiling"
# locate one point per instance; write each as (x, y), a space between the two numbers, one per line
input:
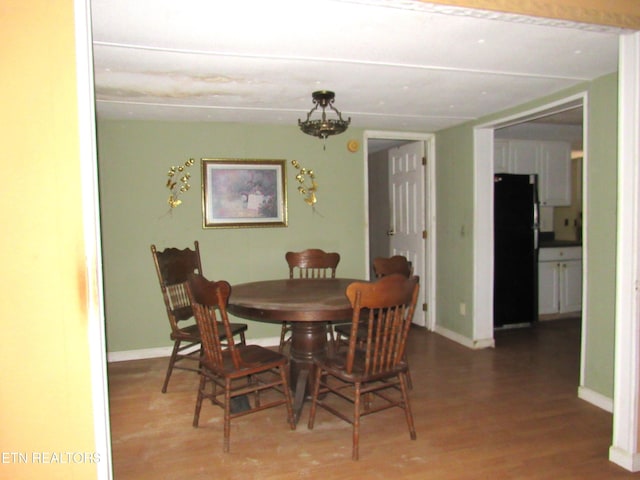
(395, 65)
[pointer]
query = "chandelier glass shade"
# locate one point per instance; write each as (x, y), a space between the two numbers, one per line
(324, 127)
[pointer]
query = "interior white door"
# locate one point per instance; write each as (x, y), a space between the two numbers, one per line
(407, 221)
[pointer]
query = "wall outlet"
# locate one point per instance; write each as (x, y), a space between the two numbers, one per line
(463, 309)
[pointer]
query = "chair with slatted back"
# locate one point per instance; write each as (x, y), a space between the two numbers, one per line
(396, 264)
(382, 266)
(310, 263)
(233, 371)
(373, 376)
(173, 267)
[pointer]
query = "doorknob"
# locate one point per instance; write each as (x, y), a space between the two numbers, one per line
(391, 232)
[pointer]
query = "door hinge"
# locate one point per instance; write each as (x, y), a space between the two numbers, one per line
(425, 307)
(424, 160)
(424, 234)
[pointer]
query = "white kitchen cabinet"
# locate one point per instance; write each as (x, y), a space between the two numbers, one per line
(555, 174)
(559, 280)
(550, 160)
(524, 157)
(501, 156)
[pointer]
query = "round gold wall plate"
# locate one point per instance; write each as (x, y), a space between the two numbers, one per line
(353, 145)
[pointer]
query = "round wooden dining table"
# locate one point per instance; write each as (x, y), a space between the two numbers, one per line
(308, 304)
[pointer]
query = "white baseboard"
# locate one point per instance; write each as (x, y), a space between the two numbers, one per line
(595, 398)
(462, 340)
(629, 461)
(125, 355)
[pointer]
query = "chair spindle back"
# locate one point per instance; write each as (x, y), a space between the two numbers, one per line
(386, 307)
(312, 263)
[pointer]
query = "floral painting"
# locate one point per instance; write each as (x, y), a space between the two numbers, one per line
(243, 193)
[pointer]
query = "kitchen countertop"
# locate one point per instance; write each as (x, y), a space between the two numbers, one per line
(559, 243)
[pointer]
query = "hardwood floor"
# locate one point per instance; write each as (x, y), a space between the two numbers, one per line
(506, 413)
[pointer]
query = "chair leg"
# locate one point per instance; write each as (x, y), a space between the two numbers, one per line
(227, 415)
(332, 338)
(256, 394)
(407, 406)
(286, 327)
(201, 389)
(409, 381)
(284, 374)
(356, 423)
(314, 400)
(172, 361)
(283, 332)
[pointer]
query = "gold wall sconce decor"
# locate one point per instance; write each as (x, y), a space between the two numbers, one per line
(179, 185)
(308, 191)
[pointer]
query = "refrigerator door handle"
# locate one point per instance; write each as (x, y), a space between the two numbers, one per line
(533, 179)
(536, 225)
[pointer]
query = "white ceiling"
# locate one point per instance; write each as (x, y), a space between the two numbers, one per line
(400, 65)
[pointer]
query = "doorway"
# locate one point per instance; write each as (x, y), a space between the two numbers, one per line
(414, 199)
(572, 107)
(551, 146)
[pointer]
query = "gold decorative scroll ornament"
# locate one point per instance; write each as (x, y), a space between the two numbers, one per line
(180, 185)
(307, 190)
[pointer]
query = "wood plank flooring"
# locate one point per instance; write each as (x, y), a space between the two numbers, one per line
(506, 413)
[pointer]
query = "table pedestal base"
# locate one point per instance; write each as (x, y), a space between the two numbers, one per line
(307, 340)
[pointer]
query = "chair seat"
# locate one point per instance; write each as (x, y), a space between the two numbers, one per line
(336, 366)
(344, 329)
(252, 357)
(191, 333)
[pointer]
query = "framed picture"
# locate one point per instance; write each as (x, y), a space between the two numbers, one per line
(243, 193)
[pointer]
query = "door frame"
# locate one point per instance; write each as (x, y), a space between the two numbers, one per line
(88, 148)
(428, 295)
(483, 144)
(483, 214)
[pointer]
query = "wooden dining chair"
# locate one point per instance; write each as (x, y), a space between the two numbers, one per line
(377, 369)
(310, 263)
(382, 266)
(233, 370)
(173, 267)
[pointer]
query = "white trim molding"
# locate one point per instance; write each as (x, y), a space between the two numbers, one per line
(626, 426)
(159, 352)
(92, 245)
(465, 341)
(596, 399)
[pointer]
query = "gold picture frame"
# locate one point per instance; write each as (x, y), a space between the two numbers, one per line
(243, 193)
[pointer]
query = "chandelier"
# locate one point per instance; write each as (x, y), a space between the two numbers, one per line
(323, 127)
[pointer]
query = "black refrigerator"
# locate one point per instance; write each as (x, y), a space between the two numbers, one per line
(516, 217)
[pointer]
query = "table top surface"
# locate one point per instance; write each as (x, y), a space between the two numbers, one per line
(305, 300)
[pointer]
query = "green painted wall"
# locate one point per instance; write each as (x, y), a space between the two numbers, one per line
(601, 225)
(134, 158)
(454, 154)
(454, 190)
